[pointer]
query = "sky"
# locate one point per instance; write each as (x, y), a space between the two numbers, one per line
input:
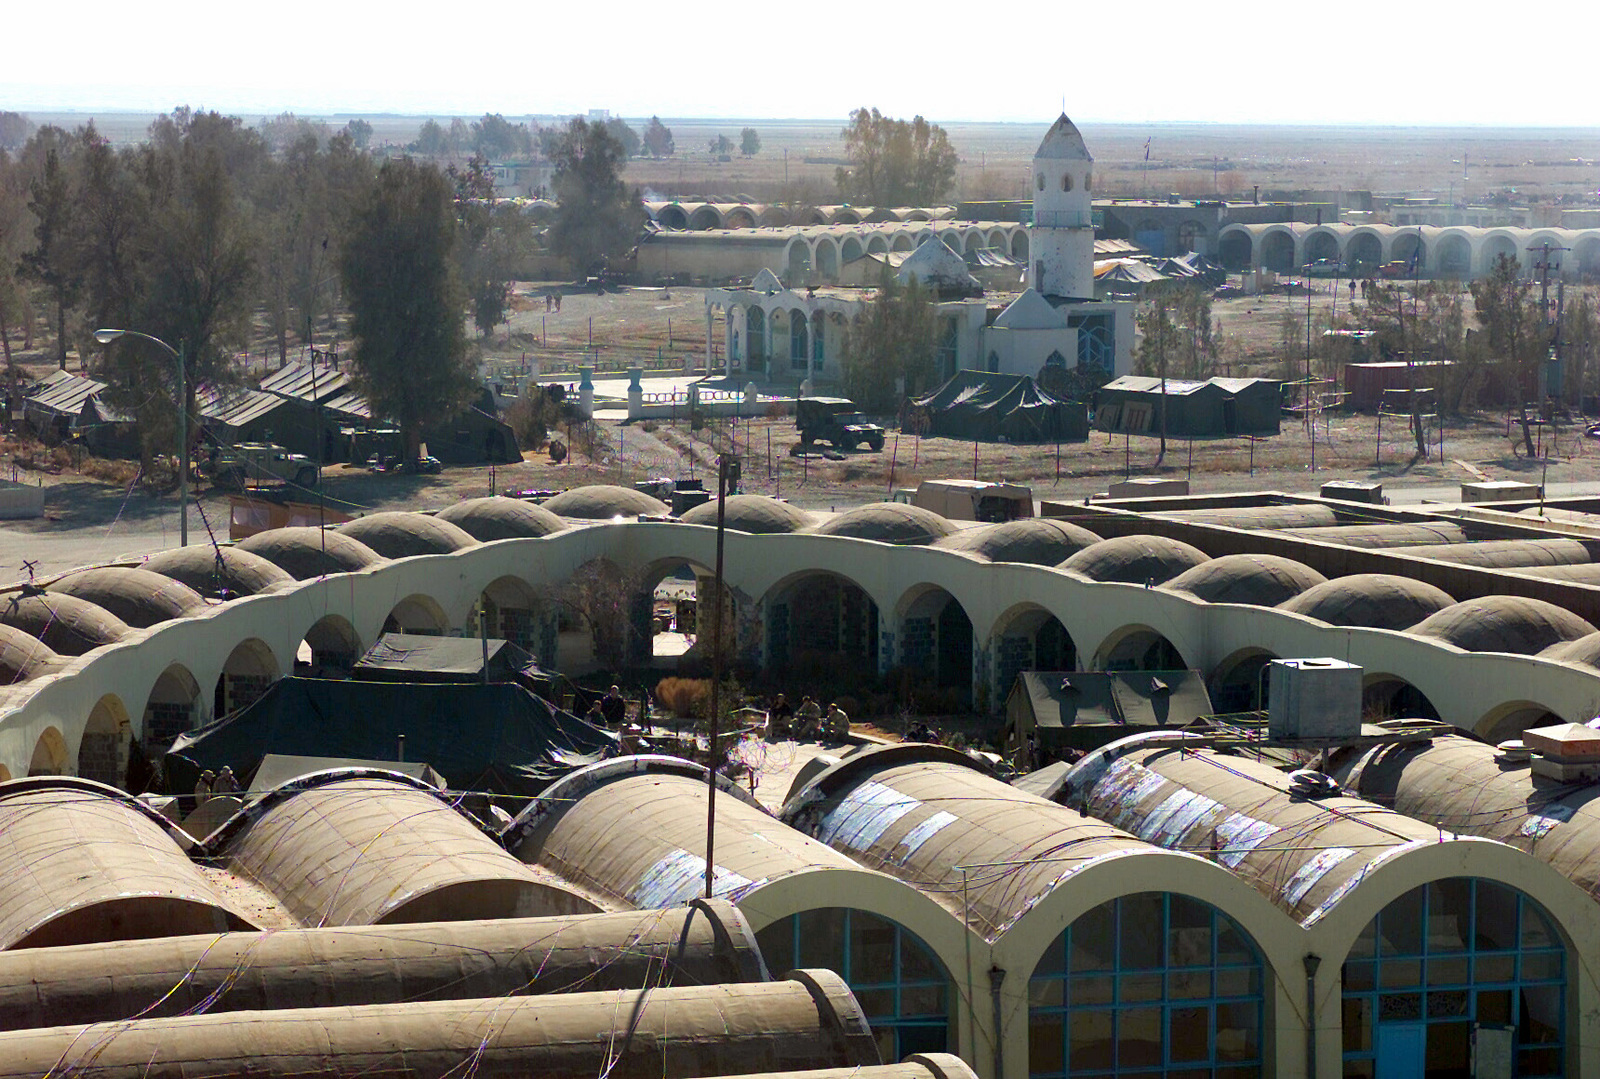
(1405, 62)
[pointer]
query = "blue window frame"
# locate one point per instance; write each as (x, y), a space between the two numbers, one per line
(903, 989)
(1444, 959)
(1150, 984)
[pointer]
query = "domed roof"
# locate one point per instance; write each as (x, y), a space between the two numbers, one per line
(1063, 140)
(1584, 651)
(402, 534)
(603, 501)
(498, 517)
(888, 522)
(1504, 624)
(23, 656)
(137, 596)
(304, 552)
(1261, 579)
(1038, 541)
(1135, 559)
(68, 625)
(1370, 601)
(213, 571)
(756, 514)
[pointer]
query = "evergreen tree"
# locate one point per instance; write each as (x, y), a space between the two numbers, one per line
(889, 350)
(658, 138)
(596, 216)
(403, 285)
(749, 142)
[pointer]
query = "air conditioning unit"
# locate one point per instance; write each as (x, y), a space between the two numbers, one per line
(1314, 698)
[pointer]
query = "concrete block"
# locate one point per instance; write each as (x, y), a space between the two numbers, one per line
(1314, 698)
(1147, 487)
(1499, 491)
(1354, 491)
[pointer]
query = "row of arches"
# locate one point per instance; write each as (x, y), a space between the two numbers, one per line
(822, 257)
(703, 216)
(1437, 252)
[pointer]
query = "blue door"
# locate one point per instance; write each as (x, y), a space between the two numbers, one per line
(1402, 1050)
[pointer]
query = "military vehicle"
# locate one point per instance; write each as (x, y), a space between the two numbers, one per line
(254, 463)
(836, 421)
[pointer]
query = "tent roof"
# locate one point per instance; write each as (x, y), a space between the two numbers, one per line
(478, 737)
(280, 768)
(1065, 699)
(425, 654)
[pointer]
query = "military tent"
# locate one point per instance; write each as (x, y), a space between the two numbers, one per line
(494, 737)
(988, 407)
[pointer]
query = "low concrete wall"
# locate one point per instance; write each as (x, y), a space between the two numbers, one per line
(18, 500)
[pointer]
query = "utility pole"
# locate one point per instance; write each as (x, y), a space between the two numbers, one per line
(1544, 266)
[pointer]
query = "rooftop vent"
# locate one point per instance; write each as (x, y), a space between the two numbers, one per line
(1308, 783)
(1314, 699)
(1567, 752)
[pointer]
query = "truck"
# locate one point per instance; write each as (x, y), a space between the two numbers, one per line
(836, 421)
(972, 500)
(248, 464)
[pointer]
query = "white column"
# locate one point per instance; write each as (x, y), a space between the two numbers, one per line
(710, 314)
(727, 340)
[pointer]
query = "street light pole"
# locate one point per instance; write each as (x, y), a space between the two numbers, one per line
(105, 337)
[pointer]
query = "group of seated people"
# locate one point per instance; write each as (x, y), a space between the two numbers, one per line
(807, 722)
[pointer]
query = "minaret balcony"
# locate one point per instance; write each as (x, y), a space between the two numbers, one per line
(1063, 219)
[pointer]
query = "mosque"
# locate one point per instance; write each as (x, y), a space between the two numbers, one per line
(793, 327)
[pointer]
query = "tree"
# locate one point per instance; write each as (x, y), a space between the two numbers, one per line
(895, 162)
(360, 132)
(889, 349)
(52, 200)
(432, 140)
(749, 142)
(658, 138)
(404, 289)
(721, 145)
(1514, 330)
(286, 129)
(1160, 341)
(485, 247)
(596, 217)
(496, 137)
(1580, 340)
(15, 130)
(626, 137)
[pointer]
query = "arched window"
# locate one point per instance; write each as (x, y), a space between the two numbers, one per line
(1055, 359)
(1151, 984)
(1066, 181)
(1445, 959)
(1039, 183)
(1086, 178)
(902, 988)
(994, 363)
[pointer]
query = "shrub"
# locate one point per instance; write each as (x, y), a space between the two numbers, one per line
(685, 697)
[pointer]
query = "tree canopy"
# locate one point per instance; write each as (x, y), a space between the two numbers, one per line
(403, 285)
(895, 162)
(596, 217)
(749, 142)
(889, 349)
(658, 138)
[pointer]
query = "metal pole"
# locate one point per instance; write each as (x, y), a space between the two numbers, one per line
(716, 680)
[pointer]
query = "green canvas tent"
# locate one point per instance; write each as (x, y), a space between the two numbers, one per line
(1084, 710)
(495, 737)
(986, 407)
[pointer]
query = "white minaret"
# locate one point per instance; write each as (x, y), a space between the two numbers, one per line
(1061, 242)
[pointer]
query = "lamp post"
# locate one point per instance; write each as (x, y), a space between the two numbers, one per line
(105, 337)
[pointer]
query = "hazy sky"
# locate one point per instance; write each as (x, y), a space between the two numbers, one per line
(1402, 62)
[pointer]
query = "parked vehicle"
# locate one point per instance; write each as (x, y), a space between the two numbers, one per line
(836, 421)
(1393, 270)
(1322, 268)
(424, 465)
(253, 463)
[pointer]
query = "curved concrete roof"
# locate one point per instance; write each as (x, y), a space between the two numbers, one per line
(1513, 553)
(1370, 600)
(90, 864)
(305, 553)
(922, 812)
(1292, 515)
(362, 851)
(756, 514)
(1136, 559)
(1504, 624)
(806, 1022)
(23, 656)
(888, 522)
(633, 831)
(1374, 537)
(1302, 854)
(1588, 573)
(1469, 787)
(603, 501)
(215, 571)
(497, 517)
(1584, 650)
(1038, 541)
(401, 534)
(1261, 579)
(70, 626)
(137, 596)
